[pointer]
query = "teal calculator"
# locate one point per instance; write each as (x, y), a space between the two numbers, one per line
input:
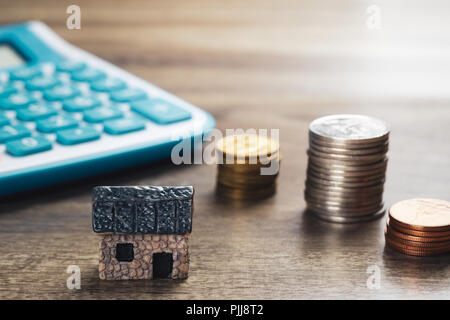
(66, 114)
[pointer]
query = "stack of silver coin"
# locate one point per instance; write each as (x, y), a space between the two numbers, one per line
(346, 168)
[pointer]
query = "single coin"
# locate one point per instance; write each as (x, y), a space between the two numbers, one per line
(361, 150)
(360, 200)
(346, 191)
(245, 183)
(235, 195)
(246, 177)
(244, 168)
(408, 237)
(352, 165)
(350, 185)
(426, 234)
(246, 146)
(349, 128)
(417, 244)
(349, 152)
(361, 197)
(413, 250)
(345, 212)
(346, 173)
(369, 158)
(422, 214)
(339, 203)
(344, 186)
(348, 146)
(250, 169)
(355, 165)
(244, 194)
(342, 202)
(340, 219)
(333, 165)
(345, 178)
(254, 161)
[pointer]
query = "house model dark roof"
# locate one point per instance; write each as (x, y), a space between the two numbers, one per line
(141, 209)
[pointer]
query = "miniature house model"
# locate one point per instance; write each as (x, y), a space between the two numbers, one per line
(145, 231)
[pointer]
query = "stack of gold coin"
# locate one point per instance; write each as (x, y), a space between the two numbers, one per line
(248, 166)
(346, 168)
(419, 227)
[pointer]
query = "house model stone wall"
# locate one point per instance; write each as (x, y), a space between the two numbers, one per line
(145, 231)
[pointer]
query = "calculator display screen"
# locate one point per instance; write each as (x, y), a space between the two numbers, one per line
(9, 57)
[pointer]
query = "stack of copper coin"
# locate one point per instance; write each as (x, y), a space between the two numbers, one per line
(419, 227)
(248, 166)
(346, 168)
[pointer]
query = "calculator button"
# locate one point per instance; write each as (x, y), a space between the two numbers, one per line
(70, 66)
(81, 103)
(7, 89)
(124, 125)
(55, 123)
(12, 132)
(128, 95)
(42, 83)
(108, 85)
(88, 74)
(4, 120)
(61, 93)
(36, 111)
(160, 111)
(25, 73)
(77, 135)
(29, 145)
(102, 114)
(16, 101)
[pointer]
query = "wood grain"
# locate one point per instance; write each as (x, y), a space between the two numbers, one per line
(254, 64)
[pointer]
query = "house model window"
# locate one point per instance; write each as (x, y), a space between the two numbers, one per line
(145, 231)
(124, 252)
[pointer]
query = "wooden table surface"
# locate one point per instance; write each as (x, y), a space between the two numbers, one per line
(254, 64)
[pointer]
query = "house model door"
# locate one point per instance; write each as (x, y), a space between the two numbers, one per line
(162, 265)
